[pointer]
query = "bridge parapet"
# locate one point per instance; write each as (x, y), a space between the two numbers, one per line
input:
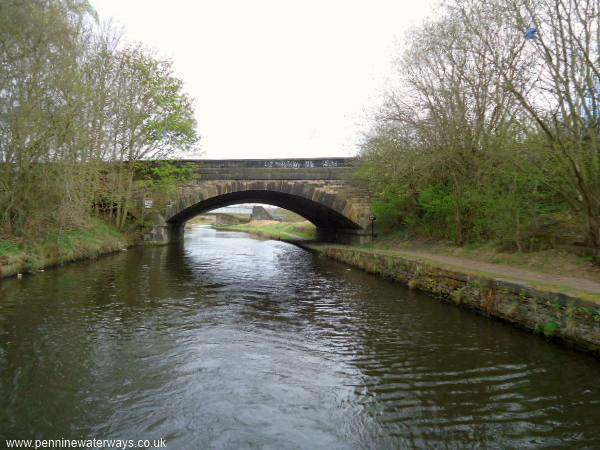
(273, 169)
(289, 163)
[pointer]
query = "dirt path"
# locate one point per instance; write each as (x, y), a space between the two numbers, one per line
(500, 271)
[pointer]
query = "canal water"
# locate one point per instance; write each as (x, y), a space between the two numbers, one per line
(230, 342)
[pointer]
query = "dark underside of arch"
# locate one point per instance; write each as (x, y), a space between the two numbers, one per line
(322, 216)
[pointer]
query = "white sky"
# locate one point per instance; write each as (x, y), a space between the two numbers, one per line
(274, 78)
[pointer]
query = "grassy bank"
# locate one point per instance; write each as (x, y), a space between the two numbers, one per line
(271, 229)
(89, 241)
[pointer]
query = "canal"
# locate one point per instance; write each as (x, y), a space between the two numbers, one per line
(230, 342)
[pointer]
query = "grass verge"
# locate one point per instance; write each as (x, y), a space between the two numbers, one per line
(90, 241)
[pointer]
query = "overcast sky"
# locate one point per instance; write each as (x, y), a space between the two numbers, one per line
(274, 78)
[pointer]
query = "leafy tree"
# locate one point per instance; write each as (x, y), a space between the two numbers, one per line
(154, 119)
(40, 134)
(78, 108)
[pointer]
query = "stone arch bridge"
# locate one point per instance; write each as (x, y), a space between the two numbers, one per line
(319, 189)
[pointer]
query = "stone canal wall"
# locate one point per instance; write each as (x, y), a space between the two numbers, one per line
(554, 315)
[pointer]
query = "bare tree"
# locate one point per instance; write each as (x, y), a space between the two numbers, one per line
(553, 72)
(451, 107)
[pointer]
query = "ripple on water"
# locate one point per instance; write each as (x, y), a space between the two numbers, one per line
(232, 342)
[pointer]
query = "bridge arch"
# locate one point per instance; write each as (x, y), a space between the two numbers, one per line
(322, 216)
(320, 190)
(331, 212)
